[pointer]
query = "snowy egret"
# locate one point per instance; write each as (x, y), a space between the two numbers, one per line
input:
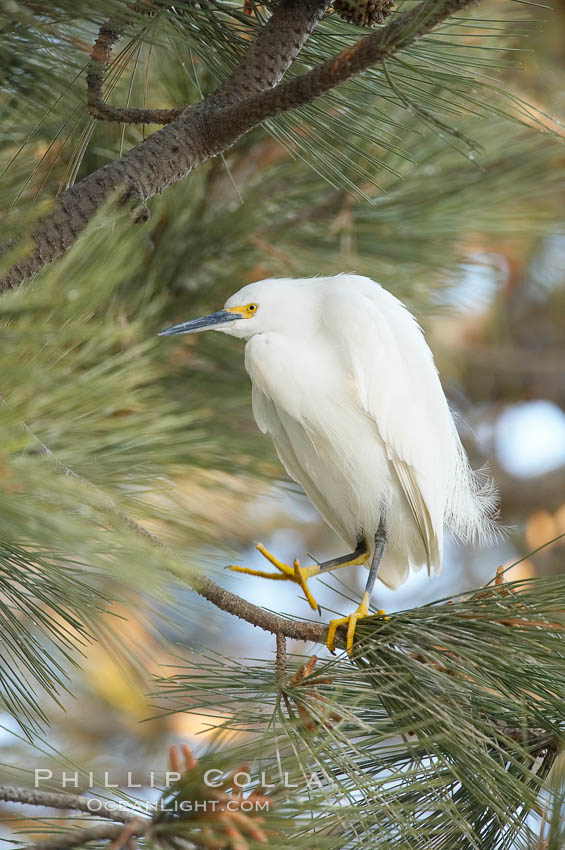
(346, 386)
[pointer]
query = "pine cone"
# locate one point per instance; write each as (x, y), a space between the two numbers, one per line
(363, 13)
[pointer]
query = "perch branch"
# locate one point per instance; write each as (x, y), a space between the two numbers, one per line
(205, 130)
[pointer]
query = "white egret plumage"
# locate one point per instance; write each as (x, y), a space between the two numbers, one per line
(346, 386)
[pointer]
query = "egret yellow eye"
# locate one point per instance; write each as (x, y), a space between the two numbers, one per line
(251, 308)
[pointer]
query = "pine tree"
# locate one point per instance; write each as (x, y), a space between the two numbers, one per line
(297, 138)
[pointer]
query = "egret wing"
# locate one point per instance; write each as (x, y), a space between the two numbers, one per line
(270, 421)
(394, 380)
(287, 433)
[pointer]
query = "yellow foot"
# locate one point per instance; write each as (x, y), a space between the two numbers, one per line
(351, 623)
(296, 573)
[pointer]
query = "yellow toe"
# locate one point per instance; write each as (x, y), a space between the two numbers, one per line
(296, 573)
(351, 623)
(248, 571)
(332, 628)
(284, 568)
(300, 578)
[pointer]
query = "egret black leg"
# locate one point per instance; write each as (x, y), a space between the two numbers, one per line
(380, 546)
(363, 610)
(359, 556)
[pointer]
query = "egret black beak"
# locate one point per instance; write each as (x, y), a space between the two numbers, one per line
(204, 323)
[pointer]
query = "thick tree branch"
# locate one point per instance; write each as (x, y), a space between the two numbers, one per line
(383, 44)
(278, 44)
(206, 130)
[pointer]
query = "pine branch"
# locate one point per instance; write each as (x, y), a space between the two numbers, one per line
(206, 587)
(100, 57)
(204, 131)
(406, 28)
(281, 661)
(61, 800)
(228, 823)
(278, 44)
(276, 47)
(80, 837)
(129, 824)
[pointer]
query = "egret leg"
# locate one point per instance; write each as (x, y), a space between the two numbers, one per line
(300, 574)
(363, 610)
(359, 556)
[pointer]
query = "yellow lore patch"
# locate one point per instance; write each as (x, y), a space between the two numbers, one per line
(246, 312)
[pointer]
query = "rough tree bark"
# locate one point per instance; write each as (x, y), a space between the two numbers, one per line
(251, 95)
(269, 57)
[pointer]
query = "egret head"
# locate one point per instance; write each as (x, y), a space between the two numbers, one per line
(268, 305)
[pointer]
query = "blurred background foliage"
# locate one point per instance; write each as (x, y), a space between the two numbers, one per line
(431, 176)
